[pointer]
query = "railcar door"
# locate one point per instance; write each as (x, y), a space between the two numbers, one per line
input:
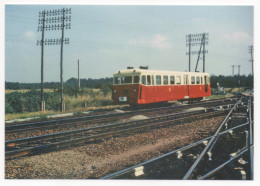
(151, 88)
(154, 89)
(206, 83)
(186, 87)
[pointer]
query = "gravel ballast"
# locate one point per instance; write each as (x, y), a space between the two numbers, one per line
(107, 156)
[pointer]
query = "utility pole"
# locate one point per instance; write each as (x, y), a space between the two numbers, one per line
(62, 106)
(53, 18)
(189, 43)
(251, 51)
(78, 75)
(204, 52)
(238, 70)
(233, 70)
(197, 39)
(42, 21)
(233, 75)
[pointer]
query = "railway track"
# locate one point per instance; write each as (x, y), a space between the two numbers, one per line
(46, 143)
(98, 149)
(54, 141)
(206, 158)
(87, 121)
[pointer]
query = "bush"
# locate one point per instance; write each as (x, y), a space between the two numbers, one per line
(14, 102)
(52, 101)
(30, 101)
(106, 89)
(9, 108)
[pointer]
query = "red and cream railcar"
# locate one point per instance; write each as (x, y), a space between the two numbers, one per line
(141, 86)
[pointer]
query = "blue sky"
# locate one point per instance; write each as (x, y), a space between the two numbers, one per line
(110, 38)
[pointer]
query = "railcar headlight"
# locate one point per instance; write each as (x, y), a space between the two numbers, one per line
(114, 91)
(134, 90)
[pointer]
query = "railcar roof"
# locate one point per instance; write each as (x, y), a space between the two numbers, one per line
(147, 71)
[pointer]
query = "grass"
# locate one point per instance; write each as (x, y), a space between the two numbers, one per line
(81, 104)
(93, 101)
(44, 114)
(26, 90)
(28, 115)
(216, 96)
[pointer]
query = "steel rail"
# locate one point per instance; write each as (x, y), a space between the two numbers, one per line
(129, 169)
(84, 139)
(66, 143)
(10, 128)
(215, 140)
(57, 145)
(240, 153)
(187, 175)
(118, 173)
(66, 124)
(164, 117)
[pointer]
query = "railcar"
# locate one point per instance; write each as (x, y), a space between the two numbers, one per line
(143, 86)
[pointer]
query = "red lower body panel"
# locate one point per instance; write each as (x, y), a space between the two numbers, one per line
(140, 94)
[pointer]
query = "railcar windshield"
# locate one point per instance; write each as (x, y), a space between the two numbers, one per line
(136, 79)
(116, 80)
(126, 80)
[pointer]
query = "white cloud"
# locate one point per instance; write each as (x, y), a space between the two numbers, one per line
(30, 35)
(158, 41)
(239, 37)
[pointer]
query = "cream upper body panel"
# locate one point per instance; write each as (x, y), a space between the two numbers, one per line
(185, 77)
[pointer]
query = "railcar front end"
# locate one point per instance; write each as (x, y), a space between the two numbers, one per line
(126, 87)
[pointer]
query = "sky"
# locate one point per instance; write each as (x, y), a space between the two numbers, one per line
(108, 38)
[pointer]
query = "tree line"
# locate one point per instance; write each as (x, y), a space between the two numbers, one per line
(17, 102)
(87, 83)
(224, 81)
(232, 81)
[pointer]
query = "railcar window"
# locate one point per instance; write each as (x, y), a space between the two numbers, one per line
(158, 80)
(143, 79)
(116, 80)
(201, 80)
(197, 80)
(172, 80)
(178, 79)
(165, 80)
(136, 79)
(123, 80)
(152, 80)
(208, 80)
(148, 80)
(128, 79)
(192, 80)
